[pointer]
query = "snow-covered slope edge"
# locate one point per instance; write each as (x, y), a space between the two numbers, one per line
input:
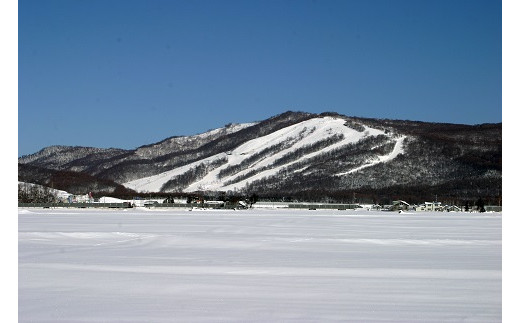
(267, 151)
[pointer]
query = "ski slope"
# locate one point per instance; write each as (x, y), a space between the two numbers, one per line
(299, 135)
(141, 265)
(398, 149)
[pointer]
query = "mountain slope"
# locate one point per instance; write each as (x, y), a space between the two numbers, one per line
(259, 158)
(296, 153)
(70, 181)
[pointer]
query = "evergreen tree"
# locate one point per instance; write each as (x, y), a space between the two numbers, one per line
(480, 205)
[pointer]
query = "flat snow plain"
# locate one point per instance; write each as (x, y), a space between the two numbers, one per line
(141, 265)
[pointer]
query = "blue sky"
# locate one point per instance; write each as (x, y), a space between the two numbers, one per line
(127, 73)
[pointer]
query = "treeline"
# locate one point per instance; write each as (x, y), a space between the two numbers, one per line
(71, 158)
(451, 193)
(448, 193)
(194, 174)
(72, 182)
(35, 194)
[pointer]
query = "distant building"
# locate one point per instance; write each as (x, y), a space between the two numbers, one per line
(400, 205)
(86, 198)
(452, 208)
(429, 207)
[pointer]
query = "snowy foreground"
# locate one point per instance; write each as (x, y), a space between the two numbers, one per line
(140, 265)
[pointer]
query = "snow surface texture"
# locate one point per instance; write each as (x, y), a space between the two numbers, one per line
(300, 135)
(141, 265)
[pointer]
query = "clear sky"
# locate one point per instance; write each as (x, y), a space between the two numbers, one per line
(125, 73)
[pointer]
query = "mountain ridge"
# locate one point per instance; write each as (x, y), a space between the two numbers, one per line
(297, 152)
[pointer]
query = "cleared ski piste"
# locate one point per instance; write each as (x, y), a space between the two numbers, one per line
(141, 265)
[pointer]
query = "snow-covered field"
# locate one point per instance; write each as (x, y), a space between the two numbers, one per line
(140, 265)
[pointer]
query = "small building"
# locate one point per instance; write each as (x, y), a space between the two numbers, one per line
(242, 205)
(86, 198)
(400, 205)
(452, 208)
(429, 207)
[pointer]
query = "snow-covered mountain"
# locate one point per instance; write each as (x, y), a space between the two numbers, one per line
(260, 157)
(295, 153)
